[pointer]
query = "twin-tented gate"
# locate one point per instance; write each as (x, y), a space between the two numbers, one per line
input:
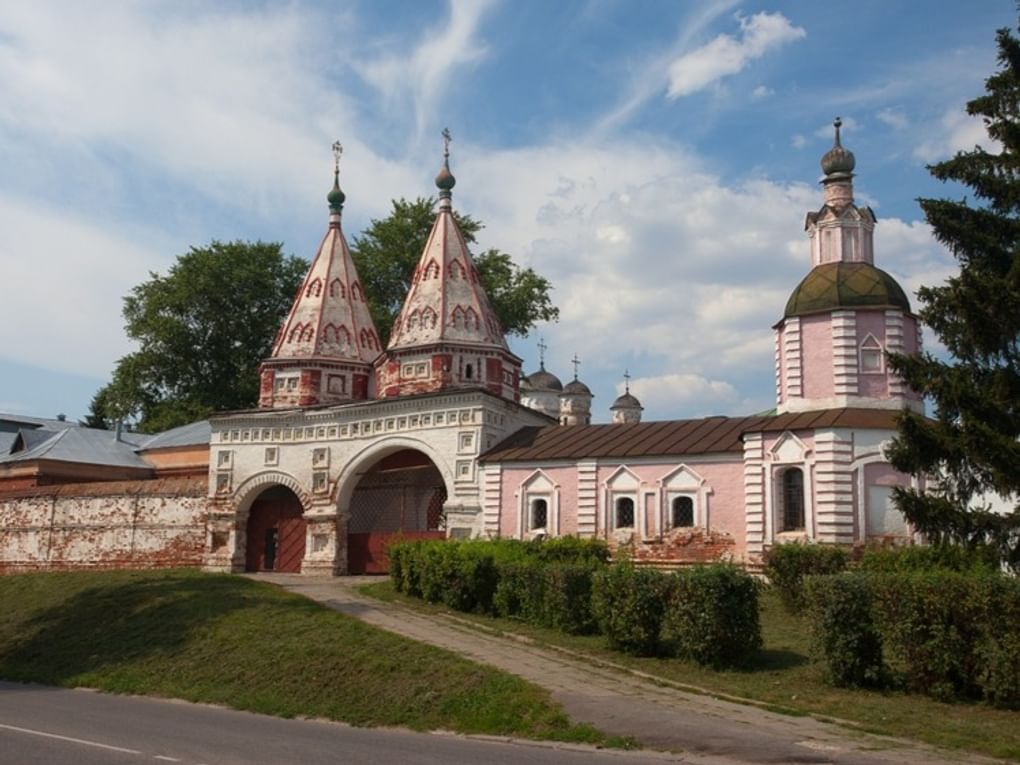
(400, 498)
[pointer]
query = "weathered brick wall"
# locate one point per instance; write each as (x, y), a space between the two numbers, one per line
(118, 524)
(680, 547)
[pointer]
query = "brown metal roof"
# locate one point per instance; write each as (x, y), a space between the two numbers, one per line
(674, 437)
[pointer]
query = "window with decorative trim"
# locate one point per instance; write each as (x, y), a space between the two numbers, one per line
(872, 358)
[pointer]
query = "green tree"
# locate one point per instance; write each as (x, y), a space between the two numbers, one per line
(389, 249)
(971, 446)
(202, 331)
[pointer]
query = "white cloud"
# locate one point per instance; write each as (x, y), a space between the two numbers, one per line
(686, 391)
(956, 131)
(762, 92)
(894, 118)
(64, 279)
(798, 141)
(726, 55)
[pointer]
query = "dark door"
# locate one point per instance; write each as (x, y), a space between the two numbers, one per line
(270, 555)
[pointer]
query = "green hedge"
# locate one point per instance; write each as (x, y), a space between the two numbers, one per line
(845, 635)
(952, 557)
(706, 614)
(786, 565)
(628, 603)
(948, 634)
(712, 616)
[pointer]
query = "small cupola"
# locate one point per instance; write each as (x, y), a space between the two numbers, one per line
(626, 408)
(575, 400)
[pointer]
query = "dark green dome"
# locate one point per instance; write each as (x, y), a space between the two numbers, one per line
(832, 286)
(336, 197)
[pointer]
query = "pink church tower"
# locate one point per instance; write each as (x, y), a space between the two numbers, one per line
(324, 351)
(845, 314)
(447, 336)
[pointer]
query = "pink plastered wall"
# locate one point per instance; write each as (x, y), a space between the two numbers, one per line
(816, 364)
(565, 478)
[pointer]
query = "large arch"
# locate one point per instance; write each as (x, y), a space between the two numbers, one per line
(395, 491)
(271, 508)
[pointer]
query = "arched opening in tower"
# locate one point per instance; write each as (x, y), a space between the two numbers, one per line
(400, 497)
(276, 532)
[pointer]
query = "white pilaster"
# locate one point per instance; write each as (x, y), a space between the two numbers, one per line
(834, 499)
(844, 352)
(587, 497)
(894, 344)
(754, 491)
(792, 358)
(492, 498)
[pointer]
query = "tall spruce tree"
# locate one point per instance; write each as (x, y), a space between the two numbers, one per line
(971, 446)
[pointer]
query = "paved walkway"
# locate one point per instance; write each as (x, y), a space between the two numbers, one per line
(707, 730)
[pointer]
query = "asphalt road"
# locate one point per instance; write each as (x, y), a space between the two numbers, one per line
(54, 726)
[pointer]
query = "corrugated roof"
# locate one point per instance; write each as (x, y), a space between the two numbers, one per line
(193, 434)
(87, 445)
(675, 437)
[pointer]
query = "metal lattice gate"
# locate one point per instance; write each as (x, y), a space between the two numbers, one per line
(405, 502)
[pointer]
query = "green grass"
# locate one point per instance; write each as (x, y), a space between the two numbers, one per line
(784, 678)
(227, 640)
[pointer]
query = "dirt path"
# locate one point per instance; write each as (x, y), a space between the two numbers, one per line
(623, 703)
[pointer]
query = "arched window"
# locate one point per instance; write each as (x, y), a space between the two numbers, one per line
(792, 486)
(470, 319)
(336, 289)
(314, 288)
(624, 513)
(539, 514)
(683, 512)
(468, 372)
(356, 293)
(431, 270)
(871, 355)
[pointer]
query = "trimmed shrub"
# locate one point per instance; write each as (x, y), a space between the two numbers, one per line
(787, 564)
(998, 651)
(711, 615)
(845, 635)
(566, 597)
(628, 606)
(931, 622)
(906, 558)
(519, 590)
(569, 550)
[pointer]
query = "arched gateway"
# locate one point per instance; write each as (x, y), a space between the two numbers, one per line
(275, 535)
(400, 496)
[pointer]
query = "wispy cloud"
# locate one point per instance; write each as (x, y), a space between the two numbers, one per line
(651, 77)
(423, 75)
(956, 131)
(726, 55)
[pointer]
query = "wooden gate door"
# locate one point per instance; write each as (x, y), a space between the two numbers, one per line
(276, 532)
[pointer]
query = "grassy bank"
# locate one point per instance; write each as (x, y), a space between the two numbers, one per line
(227, 640)
(784, 677)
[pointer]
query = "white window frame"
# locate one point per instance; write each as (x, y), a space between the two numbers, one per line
(870, 345)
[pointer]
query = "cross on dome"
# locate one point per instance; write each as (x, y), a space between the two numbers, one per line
(626, 378)
(445, 180)
(336, 197)
(576, 362)
(542, 348)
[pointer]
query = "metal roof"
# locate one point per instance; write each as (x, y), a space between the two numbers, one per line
(87, 445)
(193, 434)
(675, 437)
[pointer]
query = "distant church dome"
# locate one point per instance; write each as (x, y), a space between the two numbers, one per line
(832, 286)
(543, 380)
(576, 388)
(626, 401)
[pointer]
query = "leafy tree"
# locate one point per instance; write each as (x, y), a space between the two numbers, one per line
(389, 249)
(202, 331)
(971, 446)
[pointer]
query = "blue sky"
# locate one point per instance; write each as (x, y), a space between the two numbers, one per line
(654, 160)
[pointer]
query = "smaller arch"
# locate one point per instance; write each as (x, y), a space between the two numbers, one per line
(314, 288)
(471, 319)
(295, 333)
(457, 270)
(356, 292)
(431, 270)
(251, 487)
(457, 317)
(308, 334)
(428, 318)
(337, 289)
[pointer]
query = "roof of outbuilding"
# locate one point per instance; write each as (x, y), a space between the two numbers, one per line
(87, 445)
(192, 434)
(675, 437)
